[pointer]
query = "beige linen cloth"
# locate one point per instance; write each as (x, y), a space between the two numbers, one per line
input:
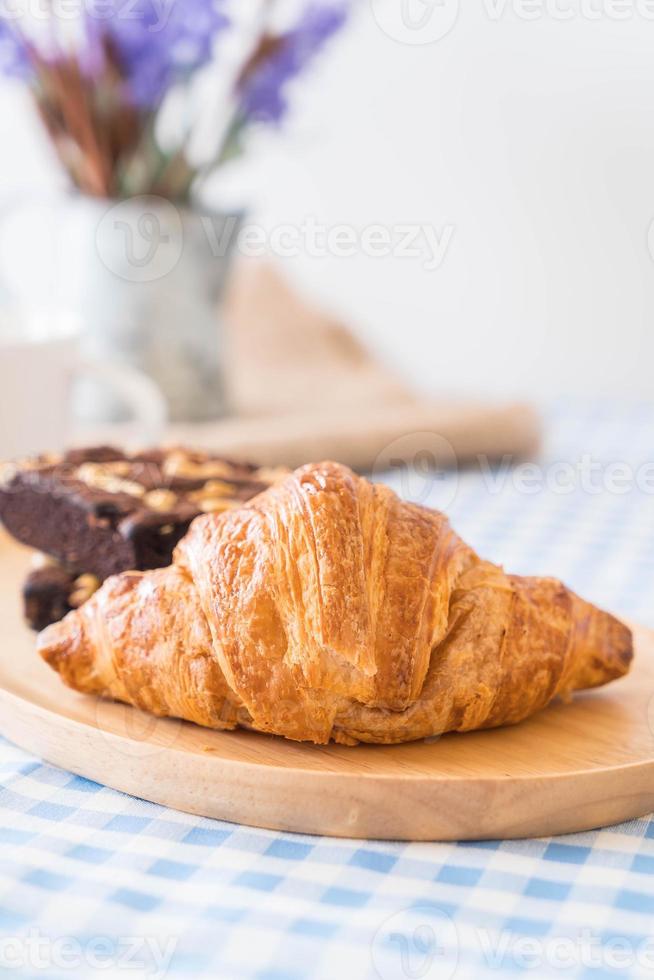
(302, 388)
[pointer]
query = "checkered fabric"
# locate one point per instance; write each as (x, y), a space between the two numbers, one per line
(93, 881)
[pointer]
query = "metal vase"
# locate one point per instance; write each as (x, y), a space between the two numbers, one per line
(144, 277)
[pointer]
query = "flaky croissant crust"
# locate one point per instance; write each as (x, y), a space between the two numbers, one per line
(328, 608)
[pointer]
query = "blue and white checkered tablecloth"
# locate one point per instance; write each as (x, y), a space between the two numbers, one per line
(95, 882)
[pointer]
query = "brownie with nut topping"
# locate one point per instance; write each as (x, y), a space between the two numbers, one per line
(51, 591)
(100, 511)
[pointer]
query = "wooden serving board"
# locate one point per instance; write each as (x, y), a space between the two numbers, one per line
(572, 767)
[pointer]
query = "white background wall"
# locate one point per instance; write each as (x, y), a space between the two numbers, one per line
(533, 139)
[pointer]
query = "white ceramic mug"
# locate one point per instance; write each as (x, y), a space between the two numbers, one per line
(37, 371)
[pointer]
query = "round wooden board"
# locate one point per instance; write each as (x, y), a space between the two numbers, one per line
(572, 767)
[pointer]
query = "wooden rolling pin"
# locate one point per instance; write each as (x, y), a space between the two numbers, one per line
(370, 438)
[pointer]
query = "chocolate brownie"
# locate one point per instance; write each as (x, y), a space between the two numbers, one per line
(50, 591)
(99, 511)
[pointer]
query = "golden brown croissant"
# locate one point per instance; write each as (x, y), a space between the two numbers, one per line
(328, 608)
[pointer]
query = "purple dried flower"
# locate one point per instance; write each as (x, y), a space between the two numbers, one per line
(155, 41)
(98, 88)
(262, 85)
(14, 60)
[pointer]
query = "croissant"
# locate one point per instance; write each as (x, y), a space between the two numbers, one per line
(328, 608)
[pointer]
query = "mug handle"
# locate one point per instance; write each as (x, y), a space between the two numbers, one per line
(139, 392)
